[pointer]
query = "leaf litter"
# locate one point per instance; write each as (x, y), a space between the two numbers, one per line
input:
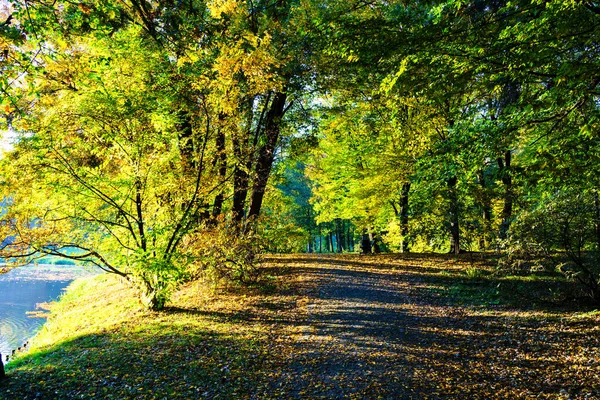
(333, 327)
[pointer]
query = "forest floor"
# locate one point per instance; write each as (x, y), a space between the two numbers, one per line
(321, 327)
(434, 327)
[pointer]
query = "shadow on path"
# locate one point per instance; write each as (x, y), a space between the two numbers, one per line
(392, 333)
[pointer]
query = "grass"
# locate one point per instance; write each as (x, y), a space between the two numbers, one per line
(101, 343)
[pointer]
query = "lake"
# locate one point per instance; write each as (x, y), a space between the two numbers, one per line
(21, 291)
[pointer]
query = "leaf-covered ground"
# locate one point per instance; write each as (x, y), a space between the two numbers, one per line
(320, 327)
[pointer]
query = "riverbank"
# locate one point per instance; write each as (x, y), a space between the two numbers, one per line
(23, 294)
(318, 327)
(101, 343)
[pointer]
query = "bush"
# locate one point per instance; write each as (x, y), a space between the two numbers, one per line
(157, 277)
(281, 236)
(225, 254)
(558, 235)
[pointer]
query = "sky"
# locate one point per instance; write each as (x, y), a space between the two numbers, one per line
(5, 142)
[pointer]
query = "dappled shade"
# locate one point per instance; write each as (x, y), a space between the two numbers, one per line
(338, 326)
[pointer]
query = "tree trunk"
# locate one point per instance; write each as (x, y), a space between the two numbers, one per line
(506, 176)
(349, 238)
(140, 214)
(404, 245)
(339, 233)
(453, 216)
(220, 161)
(365, 243)
(153, 298)
(597, 222)
(240, 183)
(376, 248)
(486, 209)
(331, 248)
(243, 148)
(320, 240)
(266, 153)
(511, 91)
(186, 142)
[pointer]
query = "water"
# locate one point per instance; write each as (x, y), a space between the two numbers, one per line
(22, 290)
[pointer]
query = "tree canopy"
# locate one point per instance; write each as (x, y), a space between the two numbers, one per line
(144, 128)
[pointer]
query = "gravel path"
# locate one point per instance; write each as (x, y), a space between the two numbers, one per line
(353, 343)
(393, 331)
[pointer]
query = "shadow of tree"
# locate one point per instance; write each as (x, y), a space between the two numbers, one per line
(391, 331)
(159, 362)
(356, 330)
(443, 277)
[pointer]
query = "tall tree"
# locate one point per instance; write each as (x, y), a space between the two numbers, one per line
(145, 148)
(96, 174)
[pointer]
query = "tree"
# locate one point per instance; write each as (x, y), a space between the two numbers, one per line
(501, 80)
(101, 178)
(134, 156)
(288, 223)
(365, 164)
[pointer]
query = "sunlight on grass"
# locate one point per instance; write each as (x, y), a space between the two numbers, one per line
(99, 328)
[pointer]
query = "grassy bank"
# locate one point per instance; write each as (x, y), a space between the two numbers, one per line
(100, 343)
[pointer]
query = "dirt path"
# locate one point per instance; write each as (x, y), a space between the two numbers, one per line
(393, 329)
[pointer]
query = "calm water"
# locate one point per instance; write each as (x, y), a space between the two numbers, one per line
(21, 290)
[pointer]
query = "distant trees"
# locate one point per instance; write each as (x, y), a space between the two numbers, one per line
(363, 167)
(510, 118)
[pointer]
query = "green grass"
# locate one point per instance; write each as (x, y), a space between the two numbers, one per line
(100, 343)
(480, 288)
(469, 283)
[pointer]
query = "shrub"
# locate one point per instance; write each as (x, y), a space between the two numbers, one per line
(225, 254)
(560, 235)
